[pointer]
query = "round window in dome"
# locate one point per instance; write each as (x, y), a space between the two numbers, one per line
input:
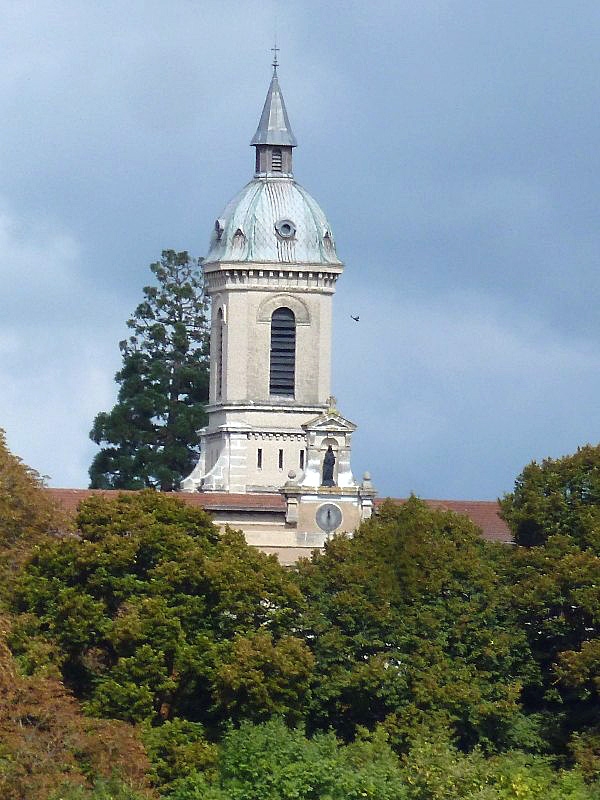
(285, 228)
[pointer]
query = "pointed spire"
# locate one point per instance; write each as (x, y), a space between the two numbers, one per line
(274, 127)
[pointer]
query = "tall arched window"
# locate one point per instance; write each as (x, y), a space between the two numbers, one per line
(219, 348)
(283, 352)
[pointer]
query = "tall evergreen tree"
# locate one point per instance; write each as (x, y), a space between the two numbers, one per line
(150, 438)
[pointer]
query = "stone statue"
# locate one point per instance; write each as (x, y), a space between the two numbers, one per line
(328, 464)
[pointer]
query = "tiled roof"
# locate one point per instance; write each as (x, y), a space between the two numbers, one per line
(215, 501)
(484, 513)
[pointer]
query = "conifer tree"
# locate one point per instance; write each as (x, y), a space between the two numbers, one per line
(149, 438)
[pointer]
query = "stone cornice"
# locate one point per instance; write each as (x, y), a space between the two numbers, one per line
(291, 407)
(272, 278)
(271, 266)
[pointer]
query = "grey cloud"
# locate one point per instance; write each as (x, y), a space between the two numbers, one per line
(453, 145)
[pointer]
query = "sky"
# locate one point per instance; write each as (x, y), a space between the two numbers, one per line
(453, 144)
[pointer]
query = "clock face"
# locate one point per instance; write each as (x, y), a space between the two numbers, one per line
(328, 517)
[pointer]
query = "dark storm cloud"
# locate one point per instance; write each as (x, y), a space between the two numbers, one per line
(454, 146)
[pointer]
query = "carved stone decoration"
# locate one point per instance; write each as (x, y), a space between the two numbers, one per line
(328, 431)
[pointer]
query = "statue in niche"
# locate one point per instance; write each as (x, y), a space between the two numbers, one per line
(328, 465)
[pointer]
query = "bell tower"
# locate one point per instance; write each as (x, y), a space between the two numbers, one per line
(271, 274)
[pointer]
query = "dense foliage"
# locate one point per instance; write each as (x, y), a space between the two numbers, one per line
(26, 514)
(157, 616)
(150, 655)
(557, 497)
(411, 627)
(272, 762)
(45, 741)
(150, 437)
(554, 513)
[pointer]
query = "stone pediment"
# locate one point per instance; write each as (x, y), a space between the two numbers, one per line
(329, 421)
(328, 435)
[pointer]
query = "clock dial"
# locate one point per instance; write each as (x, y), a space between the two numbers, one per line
(328, 517)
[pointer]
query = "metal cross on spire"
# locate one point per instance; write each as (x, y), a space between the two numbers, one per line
(275, 50)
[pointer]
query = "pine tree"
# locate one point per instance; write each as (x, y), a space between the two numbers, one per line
(150, 438)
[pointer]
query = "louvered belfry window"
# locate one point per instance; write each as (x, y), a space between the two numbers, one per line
(276, 160)
(283, 352)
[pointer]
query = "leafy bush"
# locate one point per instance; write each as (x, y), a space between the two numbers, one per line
(272, 762)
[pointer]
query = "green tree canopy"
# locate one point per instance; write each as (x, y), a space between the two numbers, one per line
(414, 635)
(554, 513)
(152, 613)
(149, 438)
(26, 515)
(46, 740)
(558, 496)
(411, 627)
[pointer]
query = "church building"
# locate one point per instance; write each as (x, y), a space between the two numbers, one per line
(276, 453)
(271, 274)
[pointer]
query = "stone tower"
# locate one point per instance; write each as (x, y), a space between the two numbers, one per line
(271, 273)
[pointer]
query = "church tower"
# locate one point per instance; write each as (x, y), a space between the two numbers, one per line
(271, 273)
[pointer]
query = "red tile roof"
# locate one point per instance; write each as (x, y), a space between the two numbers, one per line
(484, 513)
(215, 501)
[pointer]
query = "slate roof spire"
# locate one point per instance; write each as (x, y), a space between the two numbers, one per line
(274, 127)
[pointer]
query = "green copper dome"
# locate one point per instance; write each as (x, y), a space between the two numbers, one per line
(273, 220)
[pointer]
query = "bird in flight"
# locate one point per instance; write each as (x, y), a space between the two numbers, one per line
(355, 318)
